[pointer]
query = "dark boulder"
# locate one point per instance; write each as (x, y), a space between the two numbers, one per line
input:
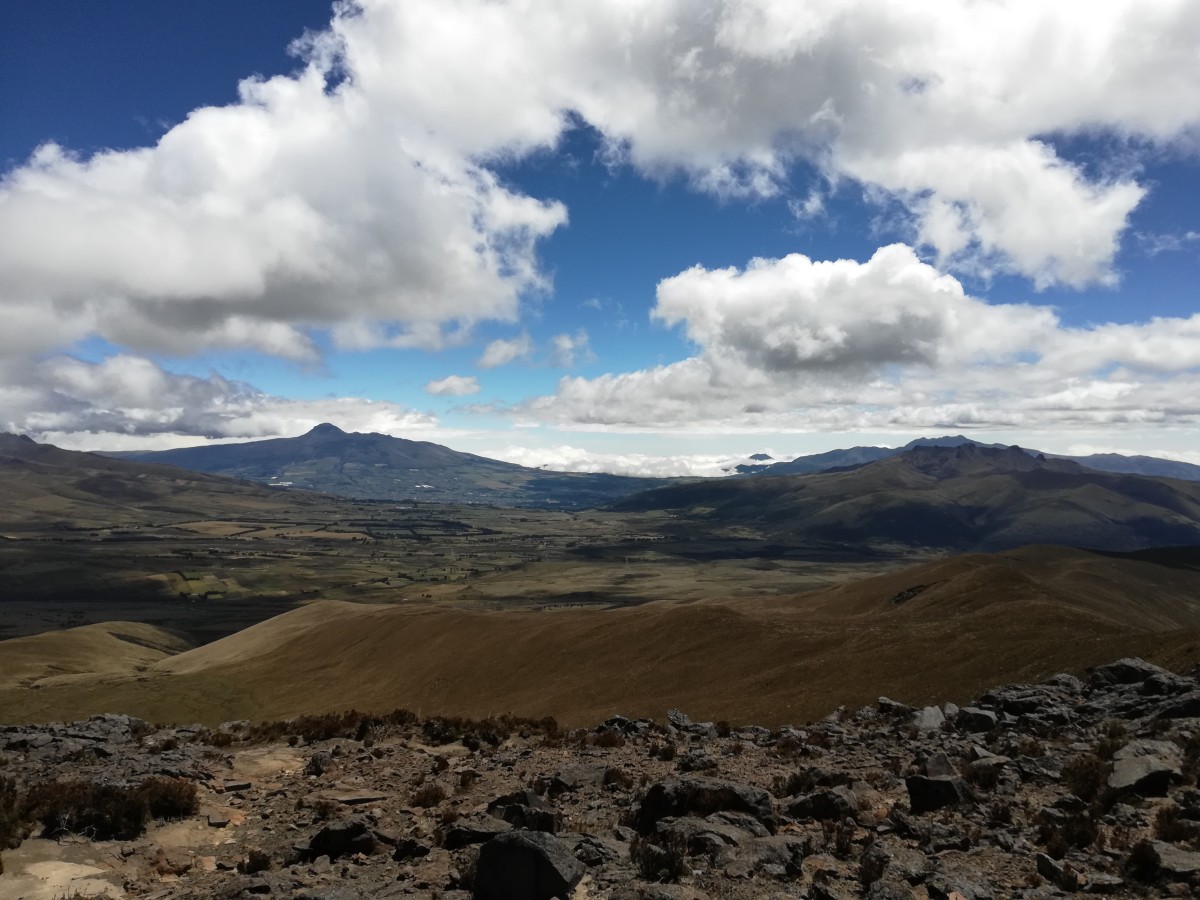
(833, 804)
(927, 794)
(700, 796)
(526, 865)
(344, 838)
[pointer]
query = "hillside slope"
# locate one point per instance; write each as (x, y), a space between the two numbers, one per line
(939, 631)
(960, 498)
(41, 484)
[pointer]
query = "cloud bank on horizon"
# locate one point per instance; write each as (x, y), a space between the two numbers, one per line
(359, 203)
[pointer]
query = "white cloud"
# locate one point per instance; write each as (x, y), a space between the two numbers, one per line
(357, 193)
(501, 352)
(453, 386)
(567, 458)
(567, 349)
(886, 344)
(130, 402)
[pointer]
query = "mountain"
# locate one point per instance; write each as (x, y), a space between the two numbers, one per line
(961, 497)
(860, 456)
(381, 467)
(41, 483)
(1139, 465)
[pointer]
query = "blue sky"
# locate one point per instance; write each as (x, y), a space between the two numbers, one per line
(420, 180)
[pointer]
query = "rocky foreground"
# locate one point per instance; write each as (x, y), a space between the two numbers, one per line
(1069, 786)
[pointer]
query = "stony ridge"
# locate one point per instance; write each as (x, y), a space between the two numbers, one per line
(1065, 787)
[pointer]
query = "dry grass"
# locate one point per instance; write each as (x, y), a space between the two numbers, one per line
(984, 620)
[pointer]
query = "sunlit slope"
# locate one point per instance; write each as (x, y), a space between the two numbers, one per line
(109, 648)
(940, 631)
(962, 498)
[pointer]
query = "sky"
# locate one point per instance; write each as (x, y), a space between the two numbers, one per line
(629, 236)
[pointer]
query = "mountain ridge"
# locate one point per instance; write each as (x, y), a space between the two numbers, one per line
(963, 497)
(373, 466)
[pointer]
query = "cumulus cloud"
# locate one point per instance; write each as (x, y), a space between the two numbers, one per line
(501, 352)
(453, 386)
(356, 201)
(890, 343)
(567, 349)
(127, 402)
(358, 193)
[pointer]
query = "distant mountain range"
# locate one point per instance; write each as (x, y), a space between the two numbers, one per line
(861, 456)
(381, 467)
(963, 497)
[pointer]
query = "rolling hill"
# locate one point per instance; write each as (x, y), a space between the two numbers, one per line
(964, 497)
(943, 630)
(378, 466)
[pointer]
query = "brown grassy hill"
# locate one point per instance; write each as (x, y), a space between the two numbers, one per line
(109, 648)
(940, 631)
(963, 498)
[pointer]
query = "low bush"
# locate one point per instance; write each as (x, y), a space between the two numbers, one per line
(105, 811)
(665, 863)
(428, 795)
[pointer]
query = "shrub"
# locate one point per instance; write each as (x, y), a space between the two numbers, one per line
(103, 812)
(1085, 776)
(618, 777)
(1142, 862)
(609, 737)
(169, 798)
(428, 795)
(12, 820)
(662, 863)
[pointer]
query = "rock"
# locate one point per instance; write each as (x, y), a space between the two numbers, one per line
(526, 865)
(525, 809)
(1124, 671)
(697, 795)
(1174, 862)
(835, 803)
(472, 830)
(784, 852)
(974, 720)
(938, 765)
(1185, 707)
(928, 719)
(702, 837)
(408, 848)
(572, 778)
(1148, 776)
(344, 838)
(893, 708)
(218, 820)
(927, 794)
(319, 763)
